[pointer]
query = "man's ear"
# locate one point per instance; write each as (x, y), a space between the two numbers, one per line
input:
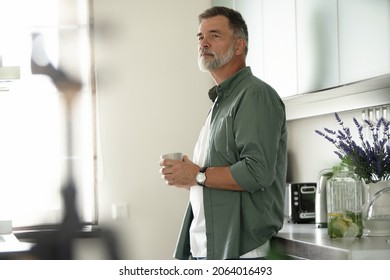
(240, 46)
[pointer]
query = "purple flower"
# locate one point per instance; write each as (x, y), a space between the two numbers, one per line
(371, 158)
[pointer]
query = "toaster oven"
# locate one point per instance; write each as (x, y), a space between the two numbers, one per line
(300, 203)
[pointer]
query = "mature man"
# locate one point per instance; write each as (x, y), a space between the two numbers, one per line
(237, 176)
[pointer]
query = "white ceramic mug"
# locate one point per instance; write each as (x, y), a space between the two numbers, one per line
(175, 156)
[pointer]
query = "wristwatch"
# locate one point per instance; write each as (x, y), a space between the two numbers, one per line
(201, 177)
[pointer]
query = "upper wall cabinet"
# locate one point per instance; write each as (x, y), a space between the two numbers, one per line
(317, 44)
(364, 39)
(320, 55)
(255, 27)
(279, 45)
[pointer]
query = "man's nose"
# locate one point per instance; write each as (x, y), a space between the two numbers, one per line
(204, 43)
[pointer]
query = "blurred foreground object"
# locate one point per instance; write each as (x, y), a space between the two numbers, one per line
(57, 244)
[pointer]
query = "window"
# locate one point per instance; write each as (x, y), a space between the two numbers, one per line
(33, 116)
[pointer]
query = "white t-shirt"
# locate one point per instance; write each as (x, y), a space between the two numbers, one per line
(198, 238)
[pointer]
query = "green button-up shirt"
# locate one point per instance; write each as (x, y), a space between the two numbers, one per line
(247, 133)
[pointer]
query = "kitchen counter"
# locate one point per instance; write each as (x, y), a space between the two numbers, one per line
(306, 241)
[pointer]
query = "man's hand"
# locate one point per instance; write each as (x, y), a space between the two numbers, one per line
(179, 173)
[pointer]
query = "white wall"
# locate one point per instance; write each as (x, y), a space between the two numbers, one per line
(152, 99)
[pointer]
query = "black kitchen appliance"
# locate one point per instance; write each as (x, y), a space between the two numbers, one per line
(300, 203)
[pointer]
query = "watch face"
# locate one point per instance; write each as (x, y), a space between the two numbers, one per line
(200, 178)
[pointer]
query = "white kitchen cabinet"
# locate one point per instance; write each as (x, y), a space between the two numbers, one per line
(364, 39)
(317, 45)
(279, 43)
(321, 56)
(252, 13)
(225, 3)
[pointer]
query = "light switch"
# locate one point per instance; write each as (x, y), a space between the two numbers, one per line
(5, 226)
(120, 211)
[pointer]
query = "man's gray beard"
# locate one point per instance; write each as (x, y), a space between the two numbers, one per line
(216, 62)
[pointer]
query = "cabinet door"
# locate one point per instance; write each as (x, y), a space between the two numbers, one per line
(252, 14)
(279, 42)
(317, 45)
(364, 37)
(225, 3)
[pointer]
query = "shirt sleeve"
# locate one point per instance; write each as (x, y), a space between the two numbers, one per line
(258, 125)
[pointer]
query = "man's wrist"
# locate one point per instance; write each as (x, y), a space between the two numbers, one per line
(201, 177)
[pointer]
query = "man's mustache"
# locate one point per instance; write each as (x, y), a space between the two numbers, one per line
(205, 51)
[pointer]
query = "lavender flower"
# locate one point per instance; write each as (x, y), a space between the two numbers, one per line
(371, 159)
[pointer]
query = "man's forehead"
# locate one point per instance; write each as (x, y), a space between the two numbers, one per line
(214, 24)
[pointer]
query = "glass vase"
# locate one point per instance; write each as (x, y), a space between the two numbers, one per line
(376, 210)
(344, 204)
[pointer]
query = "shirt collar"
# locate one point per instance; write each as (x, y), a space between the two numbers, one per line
(224, 88)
